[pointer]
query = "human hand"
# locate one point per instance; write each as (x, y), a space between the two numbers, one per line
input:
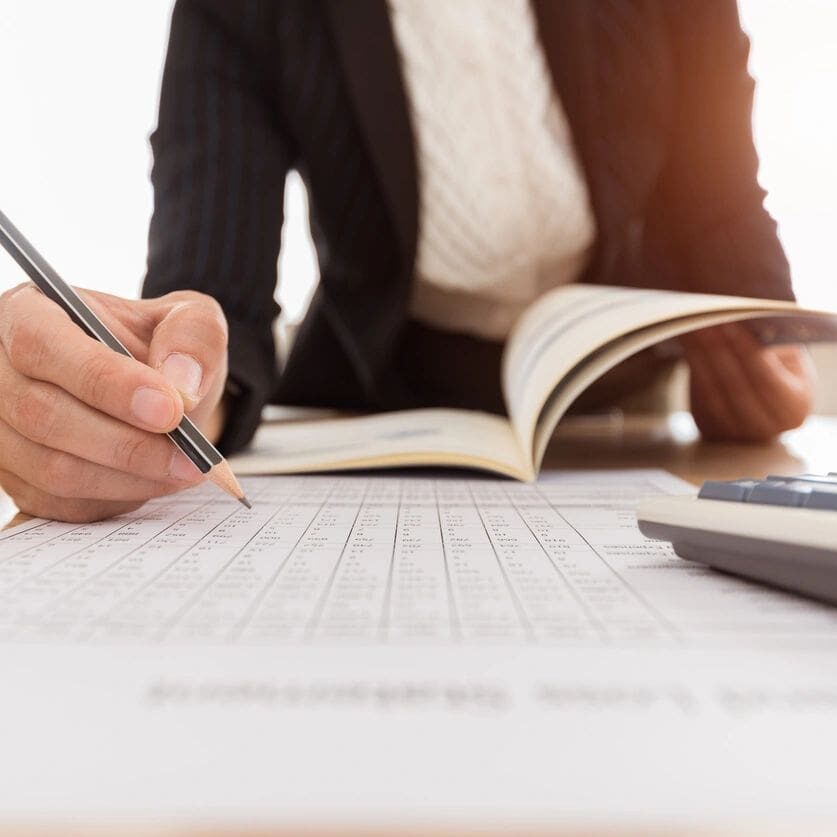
(743, 391)
(80, 425)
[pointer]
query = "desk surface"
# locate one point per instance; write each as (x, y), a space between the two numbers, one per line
(675, 445)
(604, 442)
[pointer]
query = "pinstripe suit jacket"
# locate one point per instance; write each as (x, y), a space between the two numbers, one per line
(658, 97)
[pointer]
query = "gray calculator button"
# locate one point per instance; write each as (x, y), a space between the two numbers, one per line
(822, 498)
(779, 494)
(737, 491)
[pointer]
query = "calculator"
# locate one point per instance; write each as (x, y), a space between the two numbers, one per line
(780, 530)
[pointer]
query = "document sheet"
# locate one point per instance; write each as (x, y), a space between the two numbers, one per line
(384, 559)
(401, 651)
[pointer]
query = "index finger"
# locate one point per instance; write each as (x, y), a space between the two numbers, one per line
(42, 342)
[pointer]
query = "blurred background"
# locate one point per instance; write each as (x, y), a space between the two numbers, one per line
(80, 96)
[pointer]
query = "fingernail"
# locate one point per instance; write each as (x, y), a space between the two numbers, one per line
(153, 407)
(184, 373)
(182, 468)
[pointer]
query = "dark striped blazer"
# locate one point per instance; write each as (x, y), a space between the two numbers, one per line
(659, 100)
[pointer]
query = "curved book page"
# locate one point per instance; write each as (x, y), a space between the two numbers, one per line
(568, 334)
(594, 366)
(453, 438)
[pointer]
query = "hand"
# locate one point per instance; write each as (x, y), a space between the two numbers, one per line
(745, 392)
(80, 425)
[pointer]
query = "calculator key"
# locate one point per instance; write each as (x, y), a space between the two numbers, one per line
(780, 493)
(736, 491)
(823, 498)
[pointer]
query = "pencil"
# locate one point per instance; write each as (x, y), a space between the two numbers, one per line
(186, 435)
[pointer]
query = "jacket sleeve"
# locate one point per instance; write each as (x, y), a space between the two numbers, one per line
(709, 201)
(219, 169)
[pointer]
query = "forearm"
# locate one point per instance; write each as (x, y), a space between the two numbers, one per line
(708, 205)
(219, 189)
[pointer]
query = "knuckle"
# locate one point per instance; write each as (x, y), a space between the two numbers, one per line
(25, 346)
(215, 328)
(60, 474)
(215, 311)
(78, 511)
(212, 318)
(206, 307)
(186, 295)
(11, 294)
(32, 412)
(33, 503)
(12, 485)
(180, 296)
(95, 377)
(796, 416)
(31, 500)
(135, 453)
(39, 503)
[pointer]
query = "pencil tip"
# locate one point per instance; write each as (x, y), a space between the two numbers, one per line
(224, 478)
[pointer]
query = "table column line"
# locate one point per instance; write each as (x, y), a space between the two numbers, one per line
(676, 634)
(518, 605)
(596, 623)
(319, 607)
(453, 612)
(383, 622)
(244, 622)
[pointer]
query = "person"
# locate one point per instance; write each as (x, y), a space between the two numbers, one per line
(460, 159)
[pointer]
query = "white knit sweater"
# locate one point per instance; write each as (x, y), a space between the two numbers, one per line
(504, 211)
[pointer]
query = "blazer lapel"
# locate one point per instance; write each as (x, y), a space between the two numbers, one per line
(366, 51)
(367, 318)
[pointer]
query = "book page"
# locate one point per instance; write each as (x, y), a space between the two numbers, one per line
(571, 323)
(766, 325)
(387, 655)
(455, 438)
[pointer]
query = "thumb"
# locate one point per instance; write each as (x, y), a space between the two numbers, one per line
(189, 347)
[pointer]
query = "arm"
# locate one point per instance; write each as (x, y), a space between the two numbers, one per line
(220, 162)
(80, 425)
(711, 207)
(708, 203)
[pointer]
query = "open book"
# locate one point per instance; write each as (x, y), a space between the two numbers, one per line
(561, 345)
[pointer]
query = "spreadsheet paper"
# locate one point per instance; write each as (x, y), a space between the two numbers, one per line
(412, 650)
(384, 559)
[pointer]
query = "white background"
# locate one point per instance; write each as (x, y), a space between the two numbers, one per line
(80, 88)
